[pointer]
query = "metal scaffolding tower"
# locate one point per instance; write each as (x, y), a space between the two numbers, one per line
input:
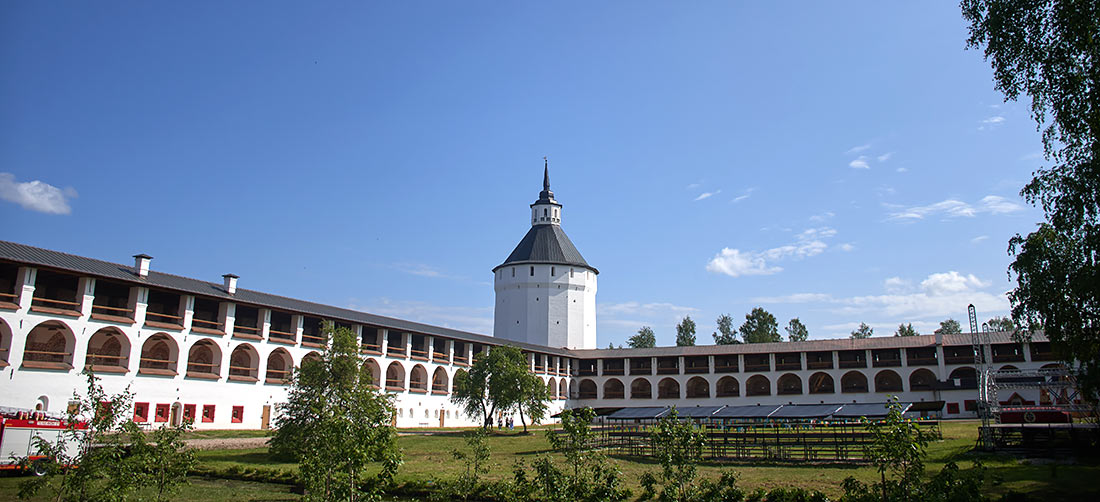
(987, 390)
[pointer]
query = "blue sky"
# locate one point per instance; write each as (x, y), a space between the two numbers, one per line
(840, 163)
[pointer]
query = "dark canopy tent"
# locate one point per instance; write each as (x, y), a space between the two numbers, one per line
(805, 411)
(746, 412)
(869, 410)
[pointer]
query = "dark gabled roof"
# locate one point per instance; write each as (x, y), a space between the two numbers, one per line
(546, 244)
(21, 253)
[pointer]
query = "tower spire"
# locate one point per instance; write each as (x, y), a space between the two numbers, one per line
(545, 174)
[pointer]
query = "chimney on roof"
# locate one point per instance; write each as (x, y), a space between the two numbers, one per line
(230, 283)
(141, 265)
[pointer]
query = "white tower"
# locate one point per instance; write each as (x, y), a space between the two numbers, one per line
(546, 292)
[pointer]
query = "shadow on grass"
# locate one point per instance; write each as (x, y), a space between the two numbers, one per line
(252, 457)
(749, 463)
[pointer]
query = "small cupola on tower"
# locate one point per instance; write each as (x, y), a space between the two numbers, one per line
(546, 210)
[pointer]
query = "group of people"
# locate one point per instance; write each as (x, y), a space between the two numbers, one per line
(508, 422)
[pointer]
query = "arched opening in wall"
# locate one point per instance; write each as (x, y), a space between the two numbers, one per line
(668, 389)
(42, 404)
(728, 387)
(204, 360)
(1008, 367)
(964, 378)
(439, 381)
(459, 375)
(758, 385)
(640, 388)
(563, 389)
(279, 364)
(5, 343)
(418, 379)
(853, 382)
(244, 364)
(821, 383)
(552, 388)
(887, 381)
(50, 346)
(613, 389)
(789, 384)
(922, 379)
(395, 376)
(698, 387)
(587, 389)
(312, 360)
(108, 351)
(371, 373)
(159, 356)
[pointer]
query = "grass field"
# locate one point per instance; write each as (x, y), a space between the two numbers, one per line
(429, 457)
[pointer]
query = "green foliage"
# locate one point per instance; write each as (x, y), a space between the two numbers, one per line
(163, 458)
(678, 445)
(594, 478)
(998, 323)
(760, 327)
(949, 327)
(103, 470)
(500, 380)
(643, 340)
(796, 331)
(725, 334)
(906, 330)
(1049, 50)
(685, 332)
(336, 425)
(475, 459)
(863, 331)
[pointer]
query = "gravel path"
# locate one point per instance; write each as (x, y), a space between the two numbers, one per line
(227, 443)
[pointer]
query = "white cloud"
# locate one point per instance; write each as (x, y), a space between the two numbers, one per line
(847, 247)
(707, 195)
(644, 309)
(884, 157)
(36, 195)
(901, 170)
(938, 296)
(823, 216)
(860, 163)
(472, 319)
(951, 208)
(857, 149)
(740, 198)
(978, 239)
(896, 284)
(737, 263)
(994, 120)
(693, 186)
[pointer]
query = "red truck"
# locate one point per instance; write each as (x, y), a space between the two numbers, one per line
(17, 433)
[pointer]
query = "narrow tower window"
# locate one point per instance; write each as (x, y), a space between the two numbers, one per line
(570, 273)
(544, 211)
(552, 272)
(513, 271)
(532, 271)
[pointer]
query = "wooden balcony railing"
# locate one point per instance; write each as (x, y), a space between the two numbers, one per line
(921, 361)
(757, 367)
(729, 368)
(395, 351)
(46, 355)
(963, 359)
(439, 389)
(886, 363)
(101, 311)
(55, 303)
(370, 348)
(668, 370)
(242, 372)
(420, 355)
(540, 368)
(859, 363)
(613, 371)
(312, 340)
(641, 370)
(439, 356)
(202, 370)
(163, 318)
(157, 366)
(795, 366)
(204, 326)
(819, 365)
(696, 369)
(52, 306)
(395, 384)
(246, 331)
(275, 335)
(587, 372)
(461, 361)
(279, 377)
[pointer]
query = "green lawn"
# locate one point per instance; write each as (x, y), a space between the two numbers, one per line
(429, 457)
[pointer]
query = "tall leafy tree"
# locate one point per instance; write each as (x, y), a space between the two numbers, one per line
(1049, 50)
(685, 332)
(725, 334)
(906, 330)
(644, 339)
(796, 331)
(499, 380)
(532, 400)
(863, 331)
(336, 425)
(949, 327)
(998, 323)
(760, 327)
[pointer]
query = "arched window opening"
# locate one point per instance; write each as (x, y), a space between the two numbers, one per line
(372, 373)
(668, 389)
(921, 379)
(244, 364)
(587, 389)
(395, 377)
(418, 379)
(887, 381)
(853, 382)
(821, 383)
(278, 367)
(50, 346)
(758, 385)
(439, 381)
(613, 389)
(108, 351)
(698, 387)
(204, 360)
(159, 356)
(728, 387)
(552, 388)
(789, 384)
(640, 388)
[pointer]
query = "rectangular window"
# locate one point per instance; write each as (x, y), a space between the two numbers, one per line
(141, 412)
(970, 405)
(552, 272)
(189, 413)
(207, 413)
(238, 414)
(513, 271)
(570, 273)
(952, 408)
(162, 413)
(532, 271)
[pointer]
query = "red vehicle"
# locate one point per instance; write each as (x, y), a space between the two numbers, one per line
(17, 433)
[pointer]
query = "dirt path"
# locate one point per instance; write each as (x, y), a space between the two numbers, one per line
(227, 443)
